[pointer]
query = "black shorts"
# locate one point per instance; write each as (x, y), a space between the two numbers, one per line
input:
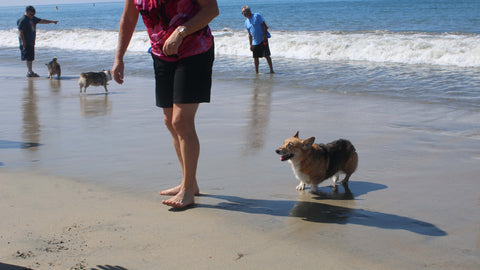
(28, 53)
(261, 50)
(188, 80)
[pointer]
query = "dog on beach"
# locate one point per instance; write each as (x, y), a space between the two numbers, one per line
(94, 78)
(315, 163)
(54, 68)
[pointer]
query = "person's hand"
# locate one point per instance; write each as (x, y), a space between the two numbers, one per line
(55, 22)
(251, 48)
(117, 70)
(171, 45)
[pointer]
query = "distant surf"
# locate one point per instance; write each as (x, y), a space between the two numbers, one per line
(446, 49)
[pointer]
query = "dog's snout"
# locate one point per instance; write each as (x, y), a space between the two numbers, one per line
(277, 151)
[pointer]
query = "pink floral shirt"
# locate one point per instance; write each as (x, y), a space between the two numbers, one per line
(162, 17)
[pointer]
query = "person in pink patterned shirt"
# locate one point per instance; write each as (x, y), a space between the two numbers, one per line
(183, 54)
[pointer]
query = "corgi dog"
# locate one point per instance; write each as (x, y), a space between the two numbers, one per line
(94, 78)
(315, 163)
(54, 68)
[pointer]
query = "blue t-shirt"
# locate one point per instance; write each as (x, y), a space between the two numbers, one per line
(29, 27)
(254, 26)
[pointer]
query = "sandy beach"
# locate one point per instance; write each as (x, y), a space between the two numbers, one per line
(79, 175)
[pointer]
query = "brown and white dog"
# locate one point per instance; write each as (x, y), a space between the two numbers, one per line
(94, 78)
(54, 68)
(315, 163)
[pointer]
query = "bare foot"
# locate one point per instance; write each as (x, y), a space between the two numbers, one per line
(176, 190)
(183, 199)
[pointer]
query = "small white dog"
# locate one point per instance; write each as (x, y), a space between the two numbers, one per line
(95, 79)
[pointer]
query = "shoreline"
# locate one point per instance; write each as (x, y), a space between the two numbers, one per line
(80, 173)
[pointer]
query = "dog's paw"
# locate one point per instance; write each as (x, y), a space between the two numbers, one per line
(301, 186)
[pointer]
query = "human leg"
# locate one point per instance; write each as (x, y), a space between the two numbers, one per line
(28, 55)
(256, 62)
(180, 94)
(30, 66)
(188, 145)
(168, 119)
(269, 61)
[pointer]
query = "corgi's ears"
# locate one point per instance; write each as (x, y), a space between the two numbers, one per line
(307, 143)
(296, 135)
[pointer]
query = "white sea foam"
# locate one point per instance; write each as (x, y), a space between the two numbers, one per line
(453, 49)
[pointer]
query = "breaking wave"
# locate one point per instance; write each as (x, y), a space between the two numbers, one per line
(450, 49)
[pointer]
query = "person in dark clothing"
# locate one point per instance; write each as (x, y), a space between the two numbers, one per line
(27, 25)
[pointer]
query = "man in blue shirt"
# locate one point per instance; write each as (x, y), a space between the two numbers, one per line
(27, 26)
(258, 37)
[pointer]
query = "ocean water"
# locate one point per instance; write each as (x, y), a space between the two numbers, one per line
(424, 51)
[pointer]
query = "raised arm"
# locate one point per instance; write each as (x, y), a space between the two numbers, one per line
(45, 21)
(128, 22)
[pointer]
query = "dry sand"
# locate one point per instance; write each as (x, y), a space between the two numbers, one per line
(79, 176)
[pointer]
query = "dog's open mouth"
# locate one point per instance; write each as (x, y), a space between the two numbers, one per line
(286, 157)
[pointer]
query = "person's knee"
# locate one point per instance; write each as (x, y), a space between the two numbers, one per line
(168, 122)
(183, 126)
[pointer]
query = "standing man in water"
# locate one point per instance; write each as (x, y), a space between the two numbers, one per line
(258, 37)
(27, 26)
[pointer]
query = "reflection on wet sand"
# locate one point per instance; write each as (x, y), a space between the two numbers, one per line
(55, 85)
(259, 114)
(31, 124)
(95, 105)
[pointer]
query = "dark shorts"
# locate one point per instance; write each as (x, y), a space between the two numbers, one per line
(260, 50)
(188, 80)
(28, 53)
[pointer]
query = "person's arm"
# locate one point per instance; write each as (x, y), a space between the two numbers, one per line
(22, 38)
(250, 38)
(45, 21)
(128, 22)
(21, 26)
(208, 11)
(265, 28)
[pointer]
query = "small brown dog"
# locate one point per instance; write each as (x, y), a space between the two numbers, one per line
(94, 78)
(315, 163)
(54, 69)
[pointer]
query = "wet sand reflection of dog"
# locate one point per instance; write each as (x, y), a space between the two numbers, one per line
(55, 85)
(95, 105)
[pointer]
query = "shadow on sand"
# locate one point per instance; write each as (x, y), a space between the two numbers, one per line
(4, 266)
(108, 267)
(17, 145)
(325, 213)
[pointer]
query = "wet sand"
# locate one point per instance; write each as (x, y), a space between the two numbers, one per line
(79, 175)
